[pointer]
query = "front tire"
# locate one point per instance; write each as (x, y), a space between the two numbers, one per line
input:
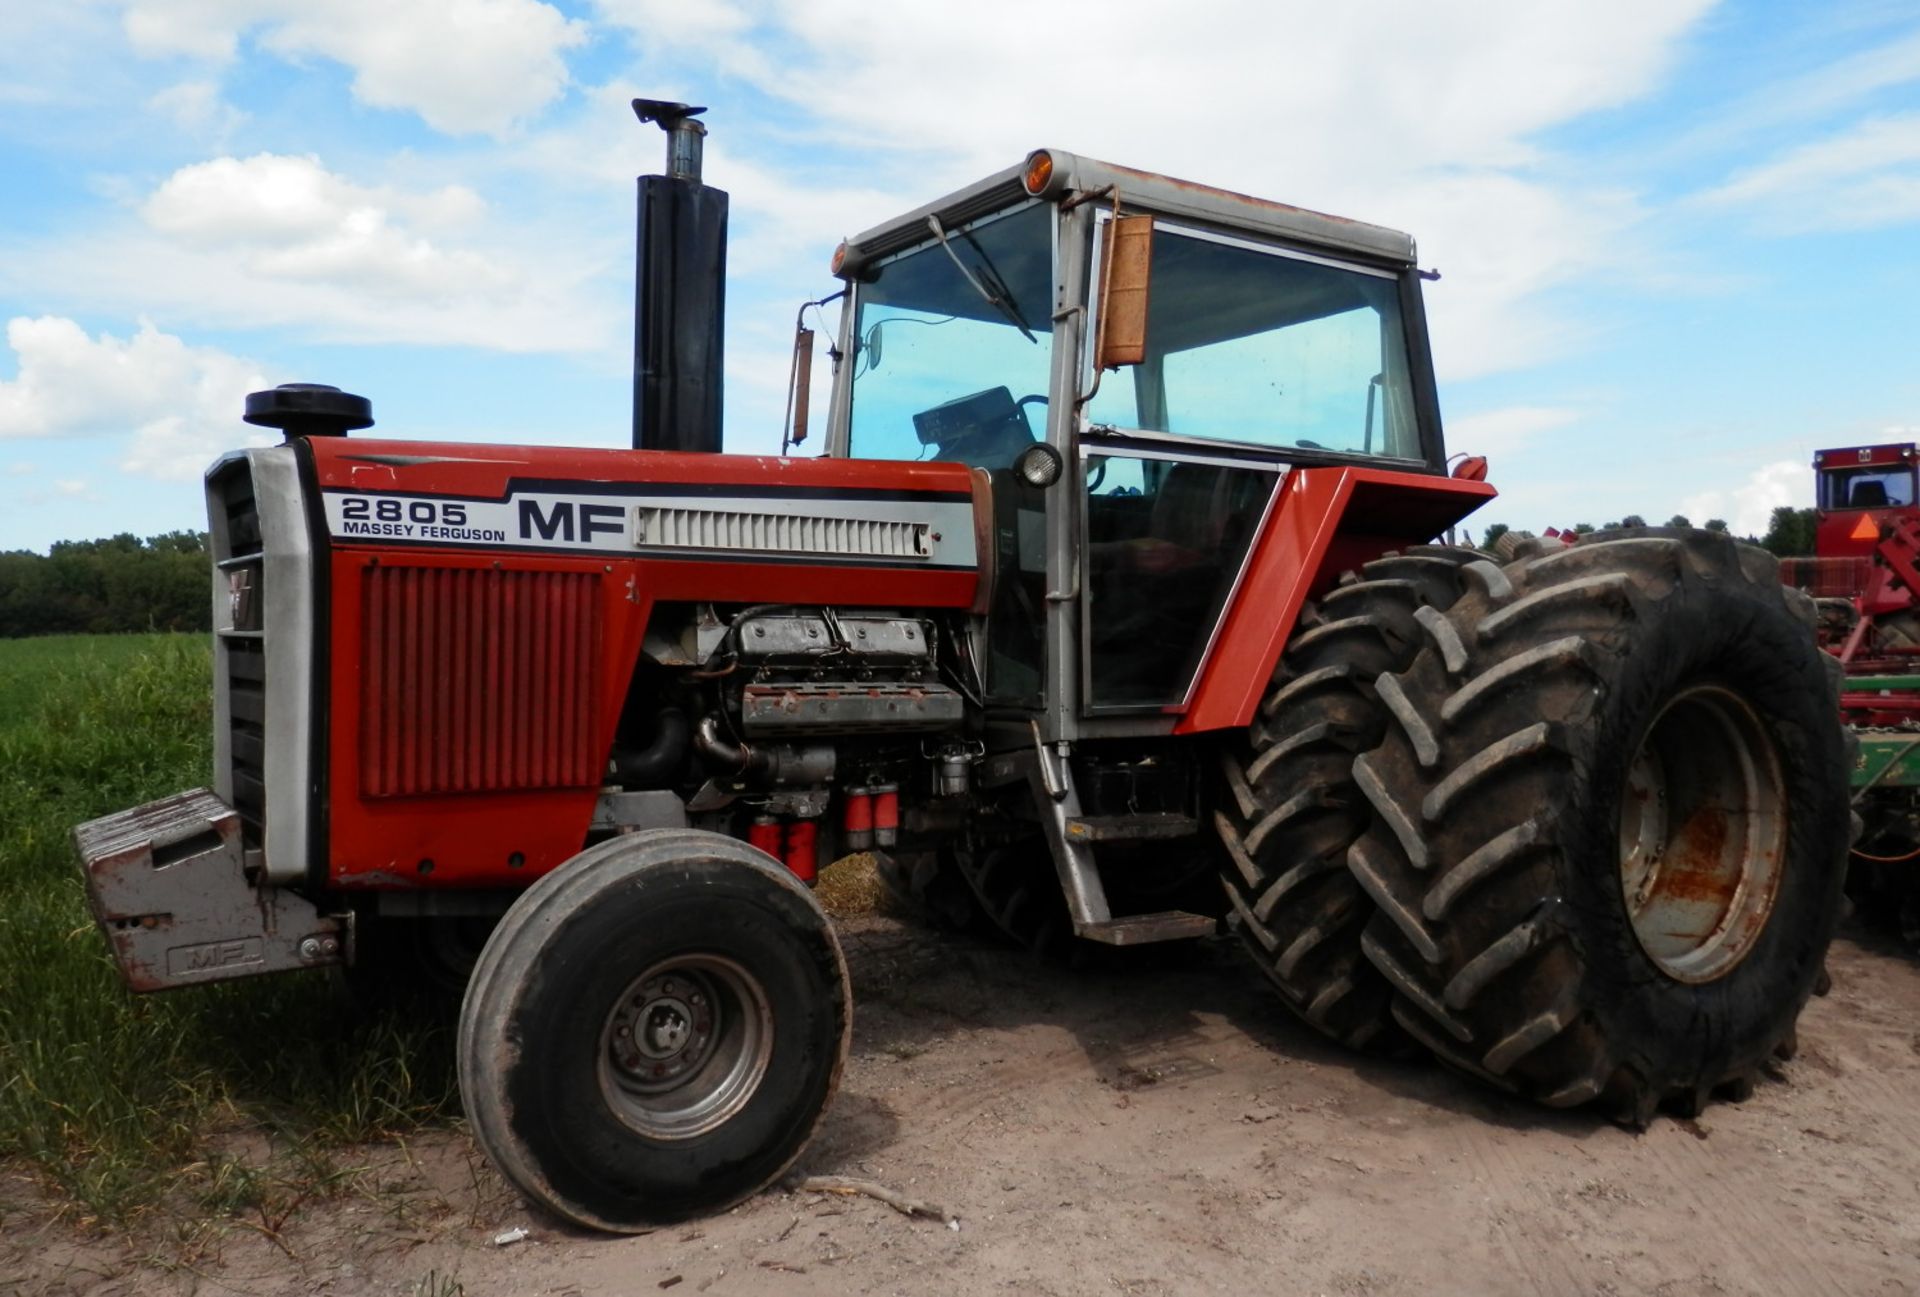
(654, 1030)
(1611, 824)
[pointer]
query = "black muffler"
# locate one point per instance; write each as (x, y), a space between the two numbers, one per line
(680, 293)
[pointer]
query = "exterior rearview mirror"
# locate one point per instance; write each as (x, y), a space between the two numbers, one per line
(799, 388)
(1123, 293)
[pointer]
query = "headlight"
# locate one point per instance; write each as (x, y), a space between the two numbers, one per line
(1039, 464)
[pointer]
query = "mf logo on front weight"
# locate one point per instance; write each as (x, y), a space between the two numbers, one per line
(209, 956)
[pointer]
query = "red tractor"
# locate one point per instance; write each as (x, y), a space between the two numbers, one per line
(1865, 577)
(1866, 540)
(1110, 611)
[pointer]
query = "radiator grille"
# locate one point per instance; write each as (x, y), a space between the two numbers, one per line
(242, 662)
(681, 527)
(1828, 578)
(478, 681)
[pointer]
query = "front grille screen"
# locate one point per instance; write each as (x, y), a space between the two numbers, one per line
(240, 587)
(478, 680)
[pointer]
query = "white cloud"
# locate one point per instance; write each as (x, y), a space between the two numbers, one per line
(1849, 80)
(1504, 431)
(291, 218)
(180, 403)
(1867, 175)
(1402, 112)
(207, 29)
(196, 106)
(277, 241)
(1748, 508)
(1281, 74)
(465, 66)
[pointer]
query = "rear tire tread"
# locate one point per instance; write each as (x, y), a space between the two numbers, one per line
(1490, 955)
(1296, 802)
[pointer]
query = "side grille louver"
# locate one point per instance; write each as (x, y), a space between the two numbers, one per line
(478, 681)
(668, 527)
(241, 663)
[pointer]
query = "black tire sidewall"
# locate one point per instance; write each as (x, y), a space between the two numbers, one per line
(1736, 635)
(552, 1089)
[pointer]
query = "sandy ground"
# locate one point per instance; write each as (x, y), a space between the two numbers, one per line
(1166, 1129)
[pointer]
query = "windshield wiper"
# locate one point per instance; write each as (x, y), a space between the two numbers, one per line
(995, 291)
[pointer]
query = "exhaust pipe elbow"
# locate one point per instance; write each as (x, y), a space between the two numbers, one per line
(708, 743)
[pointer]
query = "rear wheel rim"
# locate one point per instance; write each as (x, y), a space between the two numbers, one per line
(685, 1047)
(1702, 834)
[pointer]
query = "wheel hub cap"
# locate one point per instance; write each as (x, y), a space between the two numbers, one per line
(1702, 834)
(685, 1046)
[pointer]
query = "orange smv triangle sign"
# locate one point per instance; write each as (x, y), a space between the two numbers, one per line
(1864, 529)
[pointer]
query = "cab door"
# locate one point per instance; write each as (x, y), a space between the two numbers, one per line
(1167, 539)
(1246, 358)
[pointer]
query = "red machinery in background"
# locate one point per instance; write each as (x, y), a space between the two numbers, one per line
(1865, 580)
(1865, 572)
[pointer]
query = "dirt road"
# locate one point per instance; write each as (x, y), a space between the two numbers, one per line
(1165, 1129)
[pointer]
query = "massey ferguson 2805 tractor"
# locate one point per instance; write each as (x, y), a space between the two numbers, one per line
(1109, 613)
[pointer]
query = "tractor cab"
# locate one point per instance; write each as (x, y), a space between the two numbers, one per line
(1861, 489)
(1133, 364)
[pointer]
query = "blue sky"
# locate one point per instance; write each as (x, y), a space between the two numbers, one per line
(1677, 239)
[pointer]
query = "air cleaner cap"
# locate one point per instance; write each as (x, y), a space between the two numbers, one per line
(309, 410)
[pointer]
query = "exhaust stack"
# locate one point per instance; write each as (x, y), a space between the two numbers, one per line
(679, 301)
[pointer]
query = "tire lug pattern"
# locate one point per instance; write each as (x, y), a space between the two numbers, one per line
(1294, 801)
(1491, 857)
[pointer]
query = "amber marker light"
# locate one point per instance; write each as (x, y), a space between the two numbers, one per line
(1039, 171)
(839, 258)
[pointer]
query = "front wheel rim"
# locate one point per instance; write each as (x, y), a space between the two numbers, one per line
(1702, 834)
(685, 1047)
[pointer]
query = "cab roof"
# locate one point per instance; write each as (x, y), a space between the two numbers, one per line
(1138, 190)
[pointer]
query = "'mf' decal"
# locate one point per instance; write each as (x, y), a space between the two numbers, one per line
(594, 519)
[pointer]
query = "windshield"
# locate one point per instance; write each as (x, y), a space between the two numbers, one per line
(953, 345)
(1247, 343)
(1870, 486)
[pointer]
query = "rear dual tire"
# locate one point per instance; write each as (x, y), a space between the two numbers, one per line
(1610, 823)
(1291, 808)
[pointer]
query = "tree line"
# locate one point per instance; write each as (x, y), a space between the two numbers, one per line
(122, 583)
(1789, 531)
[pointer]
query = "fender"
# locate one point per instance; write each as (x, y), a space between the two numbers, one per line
(1326, 521)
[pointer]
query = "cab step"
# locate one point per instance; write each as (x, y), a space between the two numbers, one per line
(1131, 828)
(1140, 929)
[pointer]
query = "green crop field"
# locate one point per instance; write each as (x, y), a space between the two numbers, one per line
(119, 1103)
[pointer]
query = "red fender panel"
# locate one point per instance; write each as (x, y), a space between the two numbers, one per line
(1326, 521)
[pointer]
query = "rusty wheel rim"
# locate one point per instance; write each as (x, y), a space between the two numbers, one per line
(686, 1046)
(1702, 834)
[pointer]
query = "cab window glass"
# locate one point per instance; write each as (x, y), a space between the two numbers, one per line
(1869, 486)
(953, 345)
(1165, 543)
(1249, 345)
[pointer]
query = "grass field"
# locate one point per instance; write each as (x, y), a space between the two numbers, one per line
(121, 1104)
